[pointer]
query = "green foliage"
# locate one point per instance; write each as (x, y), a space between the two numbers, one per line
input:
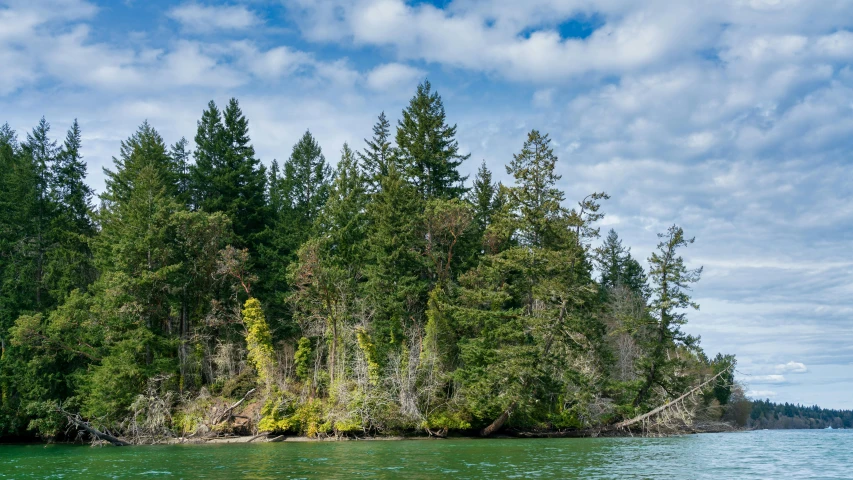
(427, 148)
(369, 350)
(259, 341)
(411, 305)
(303, 359)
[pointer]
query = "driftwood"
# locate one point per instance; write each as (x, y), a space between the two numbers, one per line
(227, 413)
(645, 416)
(78, 422)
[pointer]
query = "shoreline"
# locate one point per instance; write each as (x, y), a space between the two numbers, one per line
(273, 438)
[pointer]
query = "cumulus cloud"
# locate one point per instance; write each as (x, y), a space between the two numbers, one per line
(729, 118)
(760, 394)
(767, 379)
(204, 19)
(792, 367)
(393, 76)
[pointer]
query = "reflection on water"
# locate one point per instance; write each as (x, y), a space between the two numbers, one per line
(764, 454)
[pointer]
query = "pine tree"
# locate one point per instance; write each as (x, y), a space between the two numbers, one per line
(181, 154)
(618, 267)
(378, 154)
(209, 156)
(226, 176)
(394, 266)
(142, 150)
(427, 148)
(69, 260)
(537, 200)
(671, 280)
(306, 182)
(483, 196)
(342, 224)
(42, 152)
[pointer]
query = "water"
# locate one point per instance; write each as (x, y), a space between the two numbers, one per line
(765, 454)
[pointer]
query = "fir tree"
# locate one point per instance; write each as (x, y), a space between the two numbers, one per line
(181, 154)
(306, 182)
(427, 148)
(483, 196)
(671, 280)
(69, 264)
(377, 156)
(618, 267)
(226, 176)
(537, 200)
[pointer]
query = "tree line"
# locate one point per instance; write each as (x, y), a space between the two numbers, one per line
(385, 294)
(769, 415)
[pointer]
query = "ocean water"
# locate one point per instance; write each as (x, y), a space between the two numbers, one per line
(825, 454)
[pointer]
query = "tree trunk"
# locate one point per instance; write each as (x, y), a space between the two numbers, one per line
(79, 423)
(499, 422)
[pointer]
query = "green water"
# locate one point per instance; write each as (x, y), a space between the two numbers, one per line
(764, 454)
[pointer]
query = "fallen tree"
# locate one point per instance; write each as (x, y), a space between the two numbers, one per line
(76, 420)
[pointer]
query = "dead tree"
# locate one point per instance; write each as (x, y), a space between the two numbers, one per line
(77, 421)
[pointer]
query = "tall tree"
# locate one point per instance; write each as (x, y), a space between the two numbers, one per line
(377, 156)
(427, 147)
(181, 154)
(483, 196)
(536, 199)
(671, 281)
(618, 267)
(306, 182)
(226, 176)
(69, 261)
(42, 152)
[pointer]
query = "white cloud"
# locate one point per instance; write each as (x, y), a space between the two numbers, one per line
(792, 367)
(204, 19)
(543, 98)
(760, 394)
(393, 76)
(767, 379)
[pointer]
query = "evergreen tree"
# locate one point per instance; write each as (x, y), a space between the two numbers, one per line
(618, 267)
(378, 154)
(226, 176)
(342, 224)
(483, 196)
(427, 148)
(537, 201)
(671, 280)
(42, 152)
(394, 267)
(306, 183)
(181, 154)
(69, 260)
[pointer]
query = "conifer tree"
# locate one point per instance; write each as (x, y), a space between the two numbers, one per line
(181, 154)
(427, 148)
(69, 264)
(394, 267)
(226, 176)
(483, 196)
(536, 199)
(306, 182)
(378, 154)
(342, 224)
(618, 267)
(671, 280)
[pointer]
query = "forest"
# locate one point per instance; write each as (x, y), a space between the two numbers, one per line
(769, 415)
(203, 293)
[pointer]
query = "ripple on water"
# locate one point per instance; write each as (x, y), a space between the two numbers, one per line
(773, 454)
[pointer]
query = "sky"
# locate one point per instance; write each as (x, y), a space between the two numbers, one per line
(730, 118)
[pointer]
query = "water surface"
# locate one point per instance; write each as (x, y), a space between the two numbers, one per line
(764, 454)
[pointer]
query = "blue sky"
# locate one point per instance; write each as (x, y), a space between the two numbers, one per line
(730, 118)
